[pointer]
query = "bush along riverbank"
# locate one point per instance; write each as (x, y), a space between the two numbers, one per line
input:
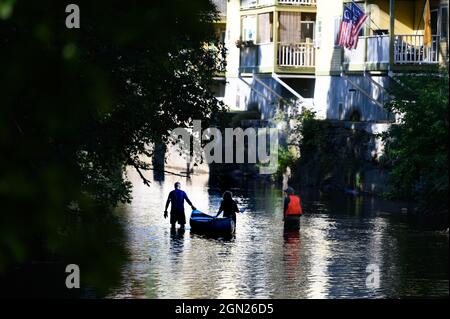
(339, 156)
(417, 145)
(348, 158)
(406, 160)
(330, 155)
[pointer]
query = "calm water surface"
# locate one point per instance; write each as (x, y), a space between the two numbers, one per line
(339, 237)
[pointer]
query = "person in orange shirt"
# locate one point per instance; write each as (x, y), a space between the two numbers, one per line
(292, 206)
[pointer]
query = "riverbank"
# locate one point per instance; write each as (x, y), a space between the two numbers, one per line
(347, 157)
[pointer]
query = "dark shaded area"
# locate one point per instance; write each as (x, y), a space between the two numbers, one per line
(79, 105)
(158, 161)
(417, 147)
(332, 156)
(235, 173)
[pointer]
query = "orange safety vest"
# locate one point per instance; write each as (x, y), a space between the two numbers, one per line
(294, 207)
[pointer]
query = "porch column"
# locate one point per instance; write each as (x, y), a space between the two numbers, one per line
(391, 32)
(275, 39)
(366, 32)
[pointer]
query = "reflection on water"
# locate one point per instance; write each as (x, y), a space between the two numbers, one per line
(327, 258)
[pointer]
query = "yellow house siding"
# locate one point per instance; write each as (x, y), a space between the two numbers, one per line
(379, 14)
(404, 17)
(408, 15)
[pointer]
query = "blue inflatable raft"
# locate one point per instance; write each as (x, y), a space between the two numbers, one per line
(204, 223)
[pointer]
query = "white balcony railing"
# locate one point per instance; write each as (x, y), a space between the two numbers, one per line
(377, 48)
(371, 49)
(299, 2)
(255, 3)
(296, 55)
(410, 49)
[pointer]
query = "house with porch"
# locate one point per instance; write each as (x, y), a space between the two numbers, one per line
(352, 84)
(286, 49)
(270, 53)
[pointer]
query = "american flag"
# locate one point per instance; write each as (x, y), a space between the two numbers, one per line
(345, 30)
(358, 19)
(352, 21)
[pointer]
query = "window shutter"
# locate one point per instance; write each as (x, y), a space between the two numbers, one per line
(263, 28)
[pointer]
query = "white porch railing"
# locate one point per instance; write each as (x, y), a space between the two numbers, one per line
(265, 55)
(296, 55)
(299, 2)
(371, 49)
(377, 47)
(410, 49)
(255, 3)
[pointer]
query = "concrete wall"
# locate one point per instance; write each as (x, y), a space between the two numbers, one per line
(236, 94)
(335, 98)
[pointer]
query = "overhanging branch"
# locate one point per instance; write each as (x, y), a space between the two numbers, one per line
(144, 179)
(144, 166)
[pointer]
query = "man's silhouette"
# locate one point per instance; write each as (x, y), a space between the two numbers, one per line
(177, 198)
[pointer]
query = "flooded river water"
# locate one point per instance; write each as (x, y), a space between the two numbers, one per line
(340, 237)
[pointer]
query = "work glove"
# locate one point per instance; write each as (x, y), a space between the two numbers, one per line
(165, 214)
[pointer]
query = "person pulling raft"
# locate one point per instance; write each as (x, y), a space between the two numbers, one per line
(228, 206)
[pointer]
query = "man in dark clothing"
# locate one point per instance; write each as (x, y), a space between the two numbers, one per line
(177, 198)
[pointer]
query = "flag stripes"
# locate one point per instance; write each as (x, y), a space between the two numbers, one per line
(352, 22)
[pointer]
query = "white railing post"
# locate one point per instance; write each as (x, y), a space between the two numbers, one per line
(410, 49)
(296, 55)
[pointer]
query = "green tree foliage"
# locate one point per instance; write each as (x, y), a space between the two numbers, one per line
(332, 156)
(78, 105)
(288, 156)
(417, 147)
(306, 130)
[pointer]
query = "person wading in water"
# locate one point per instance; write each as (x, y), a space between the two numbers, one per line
(228, 206)
(177, 198)
(292, 207)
